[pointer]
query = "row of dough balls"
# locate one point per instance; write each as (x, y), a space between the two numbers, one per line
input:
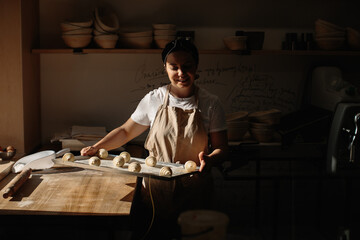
(125, 157)
(101, 153)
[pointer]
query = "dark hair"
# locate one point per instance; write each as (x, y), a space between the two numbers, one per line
(180, 44)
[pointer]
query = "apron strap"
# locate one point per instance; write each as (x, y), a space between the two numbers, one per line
(166, 99)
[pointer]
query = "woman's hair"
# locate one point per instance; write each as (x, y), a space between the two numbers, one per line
(180, 44)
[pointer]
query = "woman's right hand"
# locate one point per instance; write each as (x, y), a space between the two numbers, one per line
(88, 151)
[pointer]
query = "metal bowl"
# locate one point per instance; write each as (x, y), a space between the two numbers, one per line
(7, 155)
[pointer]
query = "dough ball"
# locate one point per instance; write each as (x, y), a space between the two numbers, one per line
(102, 153)
(118, 161)
(165, 171)
(68, 157)
(150, 161)
(134, 167)
(10, 149)
(190, 166)
(126, 156)
(94, 161)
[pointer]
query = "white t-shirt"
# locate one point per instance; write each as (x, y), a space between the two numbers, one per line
(212, 112)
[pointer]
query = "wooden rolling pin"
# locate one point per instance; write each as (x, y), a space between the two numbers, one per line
(6, 170)
(17, 182)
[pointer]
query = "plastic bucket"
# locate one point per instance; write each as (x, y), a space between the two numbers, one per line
(203, 224)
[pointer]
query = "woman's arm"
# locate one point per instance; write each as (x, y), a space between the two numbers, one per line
(116, 138)
(220, 150)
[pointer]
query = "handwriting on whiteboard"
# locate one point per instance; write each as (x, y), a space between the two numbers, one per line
(239, 86)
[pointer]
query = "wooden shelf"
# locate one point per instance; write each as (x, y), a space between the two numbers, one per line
(215, 51)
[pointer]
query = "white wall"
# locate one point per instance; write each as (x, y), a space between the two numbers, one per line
(104, 89)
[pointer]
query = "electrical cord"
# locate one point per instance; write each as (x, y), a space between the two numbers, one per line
(153, 210)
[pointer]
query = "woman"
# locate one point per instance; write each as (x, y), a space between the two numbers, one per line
(186, 123)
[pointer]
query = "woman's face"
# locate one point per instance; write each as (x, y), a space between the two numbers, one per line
(181, 69)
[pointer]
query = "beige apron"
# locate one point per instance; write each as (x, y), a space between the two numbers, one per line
(177, 135)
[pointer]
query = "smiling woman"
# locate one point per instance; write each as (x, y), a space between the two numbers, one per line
(183, 120)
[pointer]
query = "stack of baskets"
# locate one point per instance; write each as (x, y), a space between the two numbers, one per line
(262, 124)
(77, 34)
(163, 34)
(237, 124)
(106, 26)
(329, 36)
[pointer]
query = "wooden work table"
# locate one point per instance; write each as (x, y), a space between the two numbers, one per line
(69, 190)
(64, 196)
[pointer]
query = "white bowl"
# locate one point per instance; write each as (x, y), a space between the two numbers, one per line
(106, 41)
(235, 42)
(77, 41)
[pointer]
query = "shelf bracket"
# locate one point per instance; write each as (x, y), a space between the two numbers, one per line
(78, 51)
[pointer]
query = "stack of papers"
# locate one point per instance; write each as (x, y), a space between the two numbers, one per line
(87, 133)
(81, 136)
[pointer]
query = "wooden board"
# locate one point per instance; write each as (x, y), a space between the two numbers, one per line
(106, 165)
(70, 191)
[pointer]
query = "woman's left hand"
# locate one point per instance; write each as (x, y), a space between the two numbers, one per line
(203, 159)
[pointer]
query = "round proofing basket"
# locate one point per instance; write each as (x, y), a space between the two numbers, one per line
(241, 115)
(83, 31)
(68, 26)
(271, 116)
(259, 125)
(77, 41)
(262, 135)
(164, 32)
(164, 26)
(106, 41)
(236, 130)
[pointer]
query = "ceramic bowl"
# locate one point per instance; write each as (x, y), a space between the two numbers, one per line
(106, 41)
(7, 155)
(164, 26)
(77, 41)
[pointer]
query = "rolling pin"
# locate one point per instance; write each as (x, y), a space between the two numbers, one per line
(17, 182)
(7, 170)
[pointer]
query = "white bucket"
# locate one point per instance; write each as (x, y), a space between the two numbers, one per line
(203, 224)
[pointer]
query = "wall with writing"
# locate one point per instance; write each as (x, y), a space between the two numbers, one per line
(104, 89)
